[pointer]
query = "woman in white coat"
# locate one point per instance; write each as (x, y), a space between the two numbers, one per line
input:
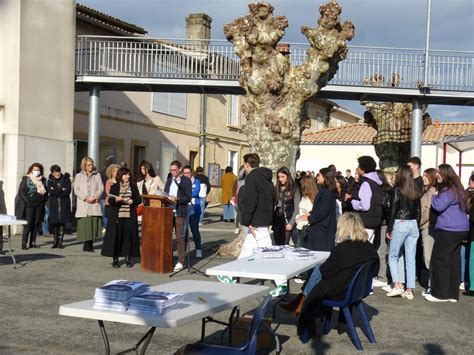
(149, 183)
(88, 188)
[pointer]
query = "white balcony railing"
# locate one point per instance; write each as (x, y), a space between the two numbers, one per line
(181, 59)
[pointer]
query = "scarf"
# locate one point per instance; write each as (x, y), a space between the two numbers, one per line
(38, 182)
(125, 192)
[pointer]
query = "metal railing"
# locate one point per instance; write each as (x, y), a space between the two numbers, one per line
(142, 57)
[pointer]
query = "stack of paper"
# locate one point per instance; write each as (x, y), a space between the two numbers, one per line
(299, 253)
(154, 302)
(271, 252)
(115, 295)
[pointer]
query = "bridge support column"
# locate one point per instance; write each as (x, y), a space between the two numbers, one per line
(93, 136)
(416, 129)
(202, 131)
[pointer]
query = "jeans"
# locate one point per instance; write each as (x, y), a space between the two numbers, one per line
(45, 225)
(193, 222)
(202, 201)
(471, 267)
(465, 262)
(405, 234)
(312, 281)
(104, 218)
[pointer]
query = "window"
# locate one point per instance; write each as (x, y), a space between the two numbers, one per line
(234, 161)
(170, 103)
(234, 110)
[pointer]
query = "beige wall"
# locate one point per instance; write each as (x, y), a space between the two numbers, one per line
(37, 81)
(315, 157)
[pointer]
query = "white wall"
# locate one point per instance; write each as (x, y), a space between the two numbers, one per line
(36, 87)
(315, 157)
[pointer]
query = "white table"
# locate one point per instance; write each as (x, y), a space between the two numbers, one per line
(202, 299)
(255, 267)
(10, 223)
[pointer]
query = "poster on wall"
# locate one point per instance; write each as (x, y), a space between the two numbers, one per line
(214, 174)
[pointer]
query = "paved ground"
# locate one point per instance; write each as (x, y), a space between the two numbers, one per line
(30, 297)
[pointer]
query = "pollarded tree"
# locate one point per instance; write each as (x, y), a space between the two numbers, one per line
(277, 91)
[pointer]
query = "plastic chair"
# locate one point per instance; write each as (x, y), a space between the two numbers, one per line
(359, 288)
(250, 347)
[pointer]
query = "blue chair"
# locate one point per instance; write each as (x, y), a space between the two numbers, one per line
(250, 347)
(358, 289)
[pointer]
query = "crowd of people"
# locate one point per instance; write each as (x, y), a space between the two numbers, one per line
(419, 227)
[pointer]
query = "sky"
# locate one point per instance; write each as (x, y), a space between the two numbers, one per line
(383, 23)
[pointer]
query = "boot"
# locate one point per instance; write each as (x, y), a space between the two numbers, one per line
(128, 261)
(55, 236)
(88, 246)
(61, 237)
(295, 305)
(115, 263)
(23, 246)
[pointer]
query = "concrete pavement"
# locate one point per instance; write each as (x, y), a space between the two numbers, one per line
(30, 297)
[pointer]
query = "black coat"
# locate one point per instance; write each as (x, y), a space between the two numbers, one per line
(59, 191)
(258, 199)
(111, 234)
(185, 192)
(22, 200)
(322, 222)
(204, 180)
(336, 273)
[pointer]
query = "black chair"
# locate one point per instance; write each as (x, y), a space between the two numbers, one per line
(250, 347)
(359, 288)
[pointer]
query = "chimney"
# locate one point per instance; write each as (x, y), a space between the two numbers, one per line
(436, 122)
(198, 26)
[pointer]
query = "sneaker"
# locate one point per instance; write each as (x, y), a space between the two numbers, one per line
(462, 287)
(298, 281)
(201, 224)
(178, 267)
(280, 290)
(237, 231)
(432, 298)
(378, 283)
(452, 300)
(426, 293)
(397, 291)
(226, 279)
(408, 295)
(198, 254)
(387, 288)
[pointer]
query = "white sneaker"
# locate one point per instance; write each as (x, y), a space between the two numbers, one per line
(378, 283)
(462, 287)
(432, 298)
(452, 300)
(408, 295)
(198, 253)
(426, 293)
(397, 291)
(237, 231)
(178, 267)
(387, 288)
(298, 281)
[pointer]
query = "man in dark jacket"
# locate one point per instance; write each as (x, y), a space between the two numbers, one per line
(179, 188)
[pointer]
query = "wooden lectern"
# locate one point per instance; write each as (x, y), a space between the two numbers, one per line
(157, 238)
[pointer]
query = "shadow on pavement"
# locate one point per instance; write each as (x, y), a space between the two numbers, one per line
(24, 259)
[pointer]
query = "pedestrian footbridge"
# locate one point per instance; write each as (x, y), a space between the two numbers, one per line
(201, 66)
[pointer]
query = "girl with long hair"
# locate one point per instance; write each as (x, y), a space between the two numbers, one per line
(452, 227)
(428, 216)
(322, 218)
(286, 203)
(149, 183)
(402, 230)
(309, 191)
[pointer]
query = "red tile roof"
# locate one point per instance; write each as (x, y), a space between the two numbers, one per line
(360, 133)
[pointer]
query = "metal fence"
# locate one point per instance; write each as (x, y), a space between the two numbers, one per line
(364, 66)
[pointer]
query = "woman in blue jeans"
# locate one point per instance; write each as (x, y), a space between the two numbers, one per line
(403, 232)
